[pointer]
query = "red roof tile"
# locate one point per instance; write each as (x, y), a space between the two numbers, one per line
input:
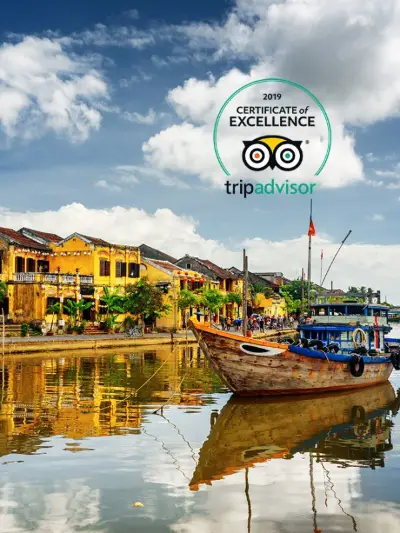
(220, 272)
(13, 237)
(165, 264)
(48, 236)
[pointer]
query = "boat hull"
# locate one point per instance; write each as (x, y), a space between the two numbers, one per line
(282, 373)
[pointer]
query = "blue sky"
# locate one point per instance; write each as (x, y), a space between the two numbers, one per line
(118, 68)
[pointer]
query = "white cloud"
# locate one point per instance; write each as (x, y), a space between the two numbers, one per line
(188, 146)
(324, 48)
(119, 36)
(128, 174)
(124, 83)
(150, 118)
(43, 88)
(373, 265)
(388, 173)
(377, 217)
(103, 184)
(373, 183)
(371, 158)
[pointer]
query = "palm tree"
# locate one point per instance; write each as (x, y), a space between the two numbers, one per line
(212, 300)
(187, 299)
(235, 298)
(54, 310)
(3, 291)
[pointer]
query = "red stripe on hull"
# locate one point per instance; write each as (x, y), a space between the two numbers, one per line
(292, 392)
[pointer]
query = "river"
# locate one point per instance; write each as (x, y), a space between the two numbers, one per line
(82, 450)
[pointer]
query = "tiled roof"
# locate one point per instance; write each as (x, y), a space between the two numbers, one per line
(153, 253)
(220, 272)
(95, 240)
(14, 237)
(165, 264)
(52, 237)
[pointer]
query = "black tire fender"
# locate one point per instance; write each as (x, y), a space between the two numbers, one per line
(356, 366)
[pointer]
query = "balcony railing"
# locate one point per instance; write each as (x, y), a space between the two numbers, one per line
(25, 277)
(67, 279)
(40, 277)
(86, 280)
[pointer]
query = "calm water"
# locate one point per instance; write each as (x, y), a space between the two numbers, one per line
(78, 448)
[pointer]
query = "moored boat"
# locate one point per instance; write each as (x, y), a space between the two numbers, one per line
(251, 366)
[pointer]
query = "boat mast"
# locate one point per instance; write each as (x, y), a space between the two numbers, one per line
(245, 290)
(336, 254)
(309, 263)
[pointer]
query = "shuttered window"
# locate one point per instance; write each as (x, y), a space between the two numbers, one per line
(104, 267)
(120, 269)
(134, 269)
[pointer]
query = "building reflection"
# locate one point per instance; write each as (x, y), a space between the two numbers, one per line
(81, 396)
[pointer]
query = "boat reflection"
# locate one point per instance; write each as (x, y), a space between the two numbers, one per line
(347, 429)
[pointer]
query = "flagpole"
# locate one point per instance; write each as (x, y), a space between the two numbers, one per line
(322, 259)
(309, 264)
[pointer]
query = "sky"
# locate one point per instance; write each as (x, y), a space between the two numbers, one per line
(106, 127)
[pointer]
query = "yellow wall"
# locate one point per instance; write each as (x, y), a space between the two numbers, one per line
(269, 306)
(28, 300)
(156, 275)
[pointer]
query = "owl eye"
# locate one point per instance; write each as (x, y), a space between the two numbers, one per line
(256, 156)
(288, 156)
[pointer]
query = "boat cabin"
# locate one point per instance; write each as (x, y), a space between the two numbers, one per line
(348, 325)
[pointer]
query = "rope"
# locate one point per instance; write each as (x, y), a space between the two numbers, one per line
(135, 393)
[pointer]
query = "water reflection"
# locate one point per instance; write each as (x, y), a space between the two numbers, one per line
(100, 395)
(208, 462)
(347, 429)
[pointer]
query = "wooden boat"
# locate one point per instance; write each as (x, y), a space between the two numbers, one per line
(251, 366)
(345, 427)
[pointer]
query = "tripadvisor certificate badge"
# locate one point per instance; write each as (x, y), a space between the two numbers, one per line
(272, 136)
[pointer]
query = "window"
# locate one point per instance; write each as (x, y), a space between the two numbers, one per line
(52, 301)
(104, 267)
(120, 269)
(134, 269)
(20, 264)
(182, 284)
(1, 262)
(30, 265)
(43, 266)
(188, 265)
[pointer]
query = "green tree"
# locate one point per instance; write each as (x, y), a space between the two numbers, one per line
(235, 298)
(187, 299)
(53, 310)
(114, 304)
(75, 310)
(3, 291)
(145, 300)
(213, 300)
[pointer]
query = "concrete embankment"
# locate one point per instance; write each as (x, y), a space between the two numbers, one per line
(99, 342)
(61, 343)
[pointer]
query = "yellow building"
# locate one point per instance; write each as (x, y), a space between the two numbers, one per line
(275, 306)
(225, 281)
(41, 269)
(172, 279)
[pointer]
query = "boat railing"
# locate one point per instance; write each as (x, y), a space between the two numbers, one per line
(349, 319)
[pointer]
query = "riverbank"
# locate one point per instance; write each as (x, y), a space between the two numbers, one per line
(14, 345)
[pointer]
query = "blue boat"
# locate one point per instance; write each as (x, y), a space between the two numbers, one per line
(347, 328)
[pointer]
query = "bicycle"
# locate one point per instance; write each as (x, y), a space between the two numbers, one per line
(135, 331)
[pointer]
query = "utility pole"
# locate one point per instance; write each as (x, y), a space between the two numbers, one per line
(302, 292)
(245, 290)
